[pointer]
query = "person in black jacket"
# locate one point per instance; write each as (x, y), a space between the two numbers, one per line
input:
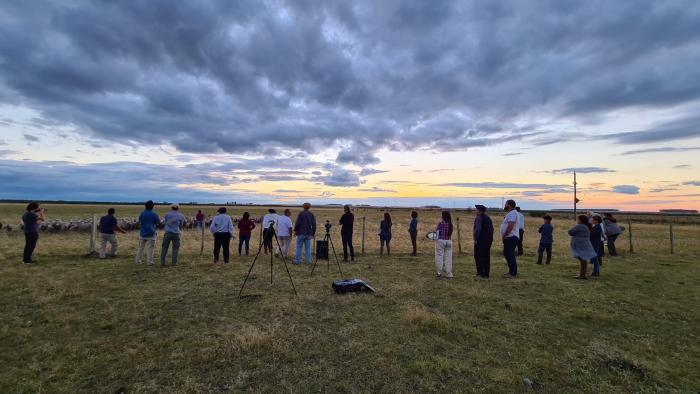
(597, 242)
(346, 221)
(483, 238)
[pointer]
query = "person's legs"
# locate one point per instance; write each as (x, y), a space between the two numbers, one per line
(582, 269)
(217, 246)
(352, 248)
(448, 259)
(520, 242)
(114, 244)
(548, 249)
(388, 247)
(150, 249)
(297, 253)
(176, 247)
(226, 241)
(486, 256)
(30, 241)
(381, 246)
(241, 239)
(509, 247)
(611, 244)
(307, 246)
(414, 238)
(101, 250)
(477, 260)
(596, 266)
(344, 240)
(540, 252)
(167, 238)
(139, 251)
(439, 256)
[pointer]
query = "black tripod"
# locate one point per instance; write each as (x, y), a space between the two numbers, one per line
(270, 235)
(329, 245)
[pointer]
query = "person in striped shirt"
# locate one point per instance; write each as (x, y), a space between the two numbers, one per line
(443, 246)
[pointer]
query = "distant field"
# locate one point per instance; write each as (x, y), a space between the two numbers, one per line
(76, 324)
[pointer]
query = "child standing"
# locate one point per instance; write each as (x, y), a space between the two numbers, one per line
(546, 239)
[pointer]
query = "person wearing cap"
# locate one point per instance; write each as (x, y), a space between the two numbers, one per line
(347, 222)
(270, 219)
(148, 220)
(174, 221)
(509, 235)
(222, 228)
(521, 231)
(483, 239)
(305, 229)
(546, 239)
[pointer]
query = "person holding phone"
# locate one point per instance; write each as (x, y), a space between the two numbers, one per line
(34, 215)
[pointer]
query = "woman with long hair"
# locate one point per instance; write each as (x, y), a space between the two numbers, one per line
(581, 247)
(443, 246)
(385, 235)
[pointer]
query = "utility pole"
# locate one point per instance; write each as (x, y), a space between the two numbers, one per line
(576, 200)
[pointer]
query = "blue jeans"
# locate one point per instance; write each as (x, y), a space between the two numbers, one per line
(509, 246)
(596, 266)
(304, 240)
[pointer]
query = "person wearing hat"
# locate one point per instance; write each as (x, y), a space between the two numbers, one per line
(148, 220)
(270, 219)
(546, 239)
(483, 238)
(222, 228)
(509, 235)
(174, 221)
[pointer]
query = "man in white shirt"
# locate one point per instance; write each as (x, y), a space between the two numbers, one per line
(509, 234)
(222, 228)
(284, 232)
(270, 219)
(521, 231)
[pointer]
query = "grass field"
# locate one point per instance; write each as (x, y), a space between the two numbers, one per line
(76, 324)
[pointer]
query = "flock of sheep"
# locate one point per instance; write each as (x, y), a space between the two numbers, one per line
(128, 224)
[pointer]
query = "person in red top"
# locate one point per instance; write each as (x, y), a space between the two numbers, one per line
(200, 220)
(245, 226)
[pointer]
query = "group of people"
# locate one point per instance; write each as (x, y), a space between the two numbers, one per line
(588, 236)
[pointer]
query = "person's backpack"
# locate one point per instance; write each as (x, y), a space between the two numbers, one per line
(353, 285)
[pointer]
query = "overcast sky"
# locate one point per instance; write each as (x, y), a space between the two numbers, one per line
(384, 102)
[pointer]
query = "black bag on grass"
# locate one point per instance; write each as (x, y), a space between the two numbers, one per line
(351, 285)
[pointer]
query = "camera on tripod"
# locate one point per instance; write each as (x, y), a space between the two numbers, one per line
(328, 226)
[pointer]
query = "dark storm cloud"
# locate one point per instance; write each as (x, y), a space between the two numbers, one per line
(251, 77)
(338, 176)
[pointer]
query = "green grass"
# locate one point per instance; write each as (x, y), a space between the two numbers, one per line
(75, 324)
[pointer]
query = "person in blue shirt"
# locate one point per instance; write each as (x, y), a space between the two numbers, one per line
(174, 221)
(413, 232)
(148, 220)
(546, 239)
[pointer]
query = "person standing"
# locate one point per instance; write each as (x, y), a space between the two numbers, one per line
(245, 228)
(284, 233)
(270, 219)
(581, 247)
(413, 232)
(346, 223)
(174, 221)
(443, 246)
(385, 235)
(612, 230)
(546, 231)
(147, 235)
(597, 234)
(483, 239)
(305, 229)
(34, 215)
(222, 228)
(521, 231)
(108, 229)
(509, 235)
(199, 218)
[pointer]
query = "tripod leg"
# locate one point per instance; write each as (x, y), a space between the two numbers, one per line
(249, 271)
(284, 260)
(330, 242)
(313, 267)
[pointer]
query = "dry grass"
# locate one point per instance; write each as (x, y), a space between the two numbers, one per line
(75, 324)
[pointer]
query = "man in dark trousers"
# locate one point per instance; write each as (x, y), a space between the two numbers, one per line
(31, 220)
(483, 238)
(346, 221)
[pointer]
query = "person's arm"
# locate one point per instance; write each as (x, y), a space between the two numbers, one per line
(212, 227)
(477, 228)
(539, 230)
(119, 229)
(509, 229)
(573, 231)
(41, 216)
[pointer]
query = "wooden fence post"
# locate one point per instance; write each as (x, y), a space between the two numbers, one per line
(93, 237)
(363, 235)
(670, 231)
(459, 237)
(629, 222)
